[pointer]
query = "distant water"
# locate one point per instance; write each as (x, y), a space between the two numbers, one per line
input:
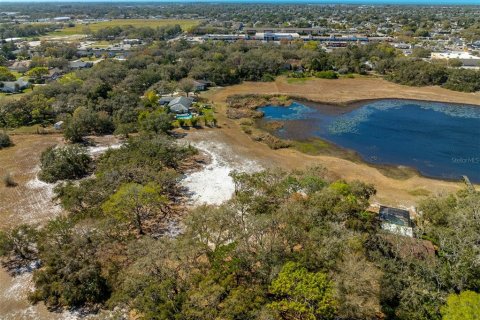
(441, 140)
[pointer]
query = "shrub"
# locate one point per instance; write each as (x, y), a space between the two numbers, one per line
(246, 122)
(194, 121)
(247, 129)
(268, 77)
(463, 80)
(271, 141)
(326, 74)
(5, 140)
(465, 305)
(156, 121)
(296, 75)
(8, 181)
(85, 121)
(69, 162)
(209, 120)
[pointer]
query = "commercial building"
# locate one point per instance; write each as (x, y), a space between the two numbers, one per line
(467, 59)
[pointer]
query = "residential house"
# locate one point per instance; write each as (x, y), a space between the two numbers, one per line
(409, 248)
(165, 100)
(467, 59)
(53, 74)
(180, 105)
(132, 41)
(201, 85)
(62, 19)
(14, 86)
(58, 125)
(20, 66)
(79, 64)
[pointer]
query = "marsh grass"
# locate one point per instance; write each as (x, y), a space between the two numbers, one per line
(419, 192)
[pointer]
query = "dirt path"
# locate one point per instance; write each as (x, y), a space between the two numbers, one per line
(390, 191)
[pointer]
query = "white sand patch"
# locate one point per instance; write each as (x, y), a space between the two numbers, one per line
(33, 312)
(95, 151)
(21, 285)
(174, 229)
(40, 204)
(37, 184)
(213, 184)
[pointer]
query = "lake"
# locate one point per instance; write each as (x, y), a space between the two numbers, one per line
(440, 140)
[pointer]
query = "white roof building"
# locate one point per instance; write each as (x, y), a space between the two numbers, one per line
(467, 58)
(276, 36)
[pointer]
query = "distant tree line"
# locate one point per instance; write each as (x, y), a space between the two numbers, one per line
(109, 95)
(11, 30)
(414, 20)
(144, 33)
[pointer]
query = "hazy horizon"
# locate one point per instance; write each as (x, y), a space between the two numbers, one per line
(356, 2)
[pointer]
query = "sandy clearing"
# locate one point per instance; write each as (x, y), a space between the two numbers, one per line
(213, 183)
(98, 150)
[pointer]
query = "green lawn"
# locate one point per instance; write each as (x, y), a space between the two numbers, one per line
(311, 147)
(33, 129)
(82, 28)
(299, 80)
(15, 96)
(17, 74)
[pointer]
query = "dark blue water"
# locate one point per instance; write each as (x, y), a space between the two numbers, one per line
(440, 140)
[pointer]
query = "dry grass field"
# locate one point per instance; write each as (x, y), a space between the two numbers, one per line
(29, 201)
(153, 23)
(347, 90)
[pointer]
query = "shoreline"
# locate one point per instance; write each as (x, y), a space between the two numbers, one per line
(389, 169)
(358, 103)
